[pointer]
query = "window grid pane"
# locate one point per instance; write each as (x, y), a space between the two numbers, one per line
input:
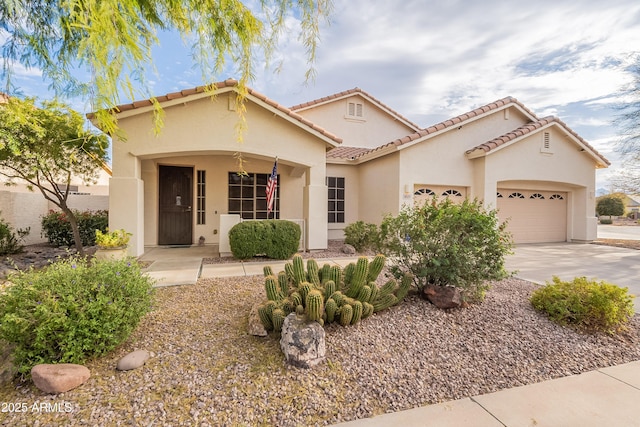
(200, 200)
(248, 198)
(336, 204)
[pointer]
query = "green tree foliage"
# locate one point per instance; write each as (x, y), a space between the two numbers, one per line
(611, 205)
(447, 244)
(45, 146)
(112, 40)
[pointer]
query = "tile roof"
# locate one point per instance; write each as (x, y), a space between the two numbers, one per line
(449, 123)
(229, 83)
(350, 92)
(346, 152)
(529, 128)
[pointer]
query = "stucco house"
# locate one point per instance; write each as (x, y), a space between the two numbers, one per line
(342, 158)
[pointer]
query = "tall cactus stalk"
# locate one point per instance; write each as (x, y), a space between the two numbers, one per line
(272, 288)
(346, 313)
(298, 269)
(330, 308)
(357, 312)
(283, 283)
(375, 267)
(267, 271)
(312, 272)
(315, 306)
(359, 277)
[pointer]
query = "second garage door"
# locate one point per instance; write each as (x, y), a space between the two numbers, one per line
(534, 216)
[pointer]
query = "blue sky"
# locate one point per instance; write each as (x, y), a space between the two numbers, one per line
(431, 60)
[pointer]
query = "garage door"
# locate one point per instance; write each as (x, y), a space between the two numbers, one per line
(427, 192)
(534, 216)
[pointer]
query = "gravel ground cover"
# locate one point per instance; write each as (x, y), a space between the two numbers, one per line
(206, 370)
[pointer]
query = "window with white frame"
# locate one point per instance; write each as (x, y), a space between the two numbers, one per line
(336, 199)
(355, 110)
(248, 196)
(200, 197)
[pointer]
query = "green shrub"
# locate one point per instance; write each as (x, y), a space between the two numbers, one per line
(57, 229)
(273, 238)
(606, 221)
(585, 304)
(361, 235)
(10, 239)
(611, 204)
(71, 310)
(447, 244)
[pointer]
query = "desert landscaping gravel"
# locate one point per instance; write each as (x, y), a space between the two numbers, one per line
(206, 370)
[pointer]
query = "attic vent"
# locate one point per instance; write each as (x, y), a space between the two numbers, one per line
(546, 143)
(355, 109)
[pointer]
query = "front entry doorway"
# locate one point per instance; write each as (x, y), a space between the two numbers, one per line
(175, 222)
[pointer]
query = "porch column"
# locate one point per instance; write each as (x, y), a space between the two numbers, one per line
(315, 208)
(126, 210)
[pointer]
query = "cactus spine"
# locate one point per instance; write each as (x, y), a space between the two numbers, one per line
(365, 293)
(348, 272)
(367, 310)
(288, 269)
(314, 305)
(374, 292)
(385, 302)
(387, 288)
(336, 275)
(403, 289)
(346, 313)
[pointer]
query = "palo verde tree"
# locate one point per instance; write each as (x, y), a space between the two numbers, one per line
(113, 39)
(45, 146)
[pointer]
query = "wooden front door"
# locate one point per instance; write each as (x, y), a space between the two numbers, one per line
(176, 202)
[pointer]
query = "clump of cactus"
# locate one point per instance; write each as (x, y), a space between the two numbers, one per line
(328, 294)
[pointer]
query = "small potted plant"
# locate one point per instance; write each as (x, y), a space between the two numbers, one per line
(112, 244)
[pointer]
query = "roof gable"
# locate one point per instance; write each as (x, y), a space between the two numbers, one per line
(531, 128)
(445, 126)
(356, 92)
(188, 95)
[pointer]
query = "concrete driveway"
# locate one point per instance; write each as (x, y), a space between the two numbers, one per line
(540, 262)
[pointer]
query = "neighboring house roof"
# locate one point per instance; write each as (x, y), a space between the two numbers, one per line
(528, 128)
(355, 92)
(225, 86)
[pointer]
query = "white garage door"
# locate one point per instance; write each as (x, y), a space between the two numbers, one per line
(534, 216)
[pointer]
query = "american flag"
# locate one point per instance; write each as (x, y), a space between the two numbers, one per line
(272, 182)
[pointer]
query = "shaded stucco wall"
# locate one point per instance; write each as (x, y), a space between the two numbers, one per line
(374, 129)
(202, 133)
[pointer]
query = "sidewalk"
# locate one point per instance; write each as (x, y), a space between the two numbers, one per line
(605, 397)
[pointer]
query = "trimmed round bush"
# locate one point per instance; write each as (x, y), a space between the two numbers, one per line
(72, 310)
(273, 238)
(586, 304)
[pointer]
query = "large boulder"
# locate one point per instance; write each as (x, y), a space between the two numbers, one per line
(54, 379)
(444, 297)
(302, 342)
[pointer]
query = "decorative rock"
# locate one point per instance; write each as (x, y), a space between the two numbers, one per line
(133, 360)
(444, 297)
(302, 342)
(348, 249)
(54, 379)
(255, 326)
